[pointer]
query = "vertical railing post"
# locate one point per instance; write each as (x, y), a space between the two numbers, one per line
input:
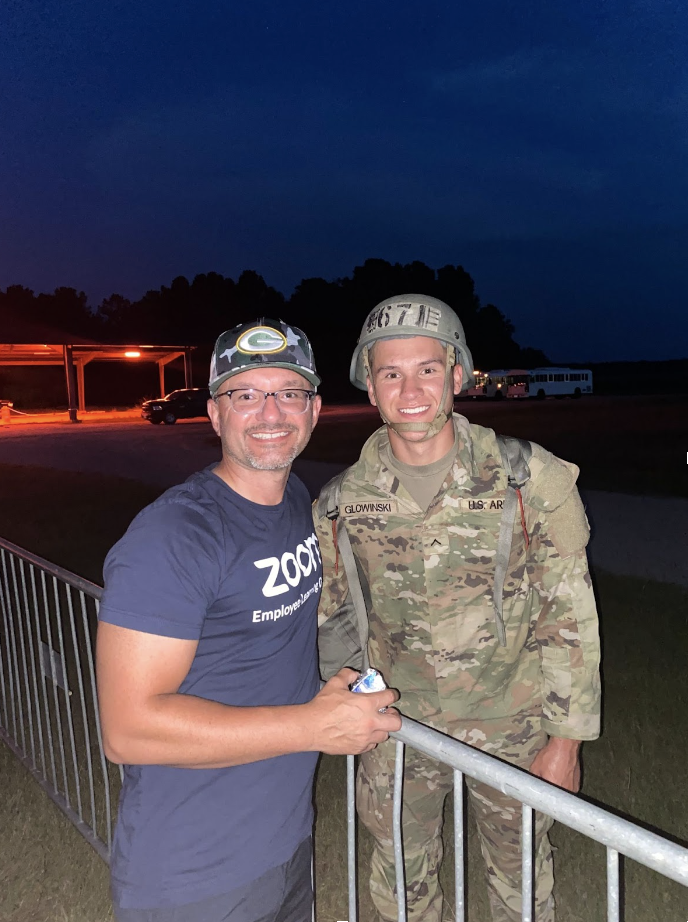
(56, 701)
(526, 863)
(96, 717)
(459, 849)
(33, 653)
(397, 831)
(44, 715)
(613, 889)
(15, 686)
(68, 702)
(5, 676)
(82, 702)
(351, 835)
(26, 710)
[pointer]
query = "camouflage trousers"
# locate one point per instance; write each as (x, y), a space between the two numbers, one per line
(426, 785)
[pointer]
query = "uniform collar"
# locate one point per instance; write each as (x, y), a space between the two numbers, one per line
(372, 470)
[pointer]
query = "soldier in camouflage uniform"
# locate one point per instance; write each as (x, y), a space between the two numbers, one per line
(422, 507)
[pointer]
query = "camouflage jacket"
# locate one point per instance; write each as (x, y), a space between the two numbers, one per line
(428, 578)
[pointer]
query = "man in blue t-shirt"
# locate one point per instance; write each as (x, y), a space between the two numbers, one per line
(207, 666)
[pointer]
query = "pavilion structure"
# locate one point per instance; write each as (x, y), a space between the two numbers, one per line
(74, 353)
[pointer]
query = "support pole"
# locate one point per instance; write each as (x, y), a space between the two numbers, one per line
(67, 353)
(188, 368)
(80, 376)
(161, 377)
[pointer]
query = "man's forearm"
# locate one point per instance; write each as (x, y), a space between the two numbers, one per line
(190, 732)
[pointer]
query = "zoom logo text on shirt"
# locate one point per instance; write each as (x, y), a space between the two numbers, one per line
(289, 569)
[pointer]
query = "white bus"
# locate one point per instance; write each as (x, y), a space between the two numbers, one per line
(560, 382)
(500, 383)
(507, 382)
(478, 389)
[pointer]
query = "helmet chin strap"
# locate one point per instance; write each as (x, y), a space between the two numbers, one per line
(430, 429)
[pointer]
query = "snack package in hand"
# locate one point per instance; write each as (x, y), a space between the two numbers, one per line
(369, 681)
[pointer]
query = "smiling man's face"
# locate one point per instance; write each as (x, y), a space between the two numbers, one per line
(271, 439)
(408, 375)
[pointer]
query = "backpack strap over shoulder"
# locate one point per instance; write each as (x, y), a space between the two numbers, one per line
(515, 456)
(328, 507)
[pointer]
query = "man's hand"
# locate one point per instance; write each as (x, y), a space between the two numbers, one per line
(559, 763)
(346, 723)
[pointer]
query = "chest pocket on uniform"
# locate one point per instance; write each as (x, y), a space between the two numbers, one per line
(460, 558)
(473, 539)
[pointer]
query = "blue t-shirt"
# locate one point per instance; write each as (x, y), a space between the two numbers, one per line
(203, 563)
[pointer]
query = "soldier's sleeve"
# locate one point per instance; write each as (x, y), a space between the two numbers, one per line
(567, 630)
(338, 641)
(334, 588)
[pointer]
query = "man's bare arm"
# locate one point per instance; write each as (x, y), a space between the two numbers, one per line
(146, 721)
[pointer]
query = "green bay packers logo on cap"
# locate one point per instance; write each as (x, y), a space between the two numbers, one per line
(261, 341)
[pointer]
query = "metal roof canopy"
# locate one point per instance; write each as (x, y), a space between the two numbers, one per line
(74, 357)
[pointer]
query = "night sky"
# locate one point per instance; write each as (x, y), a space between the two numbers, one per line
(541, 145)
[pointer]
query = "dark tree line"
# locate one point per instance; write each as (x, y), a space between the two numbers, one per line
(331, 313)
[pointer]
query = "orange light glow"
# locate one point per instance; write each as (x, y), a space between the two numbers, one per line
(132, 355)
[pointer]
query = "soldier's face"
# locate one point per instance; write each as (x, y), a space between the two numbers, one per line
(270, 439)
(408, 374)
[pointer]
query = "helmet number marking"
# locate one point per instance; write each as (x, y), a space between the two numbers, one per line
(420, 316)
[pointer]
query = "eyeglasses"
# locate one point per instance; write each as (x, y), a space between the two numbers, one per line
(248, 401)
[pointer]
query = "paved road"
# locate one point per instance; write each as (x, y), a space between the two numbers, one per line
(632, 535)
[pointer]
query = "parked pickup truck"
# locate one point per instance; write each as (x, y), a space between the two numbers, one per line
(183, 404)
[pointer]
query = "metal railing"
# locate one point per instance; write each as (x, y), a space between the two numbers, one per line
(48, 704)
(619, 835)
(49, 719)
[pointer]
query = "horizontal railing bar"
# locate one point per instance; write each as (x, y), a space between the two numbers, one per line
(643, 846)
(78, 582)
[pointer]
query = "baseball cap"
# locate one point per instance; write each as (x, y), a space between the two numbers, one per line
(264, 343)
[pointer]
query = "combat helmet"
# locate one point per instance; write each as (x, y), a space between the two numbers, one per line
(414, 315)
(264, 343)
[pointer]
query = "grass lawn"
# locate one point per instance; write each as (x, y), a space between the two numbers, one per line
(625, 444)
(638, 767)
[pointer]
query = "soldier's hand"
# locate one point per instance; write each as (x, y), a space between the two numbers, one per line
(348, 723)
(559, 763)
